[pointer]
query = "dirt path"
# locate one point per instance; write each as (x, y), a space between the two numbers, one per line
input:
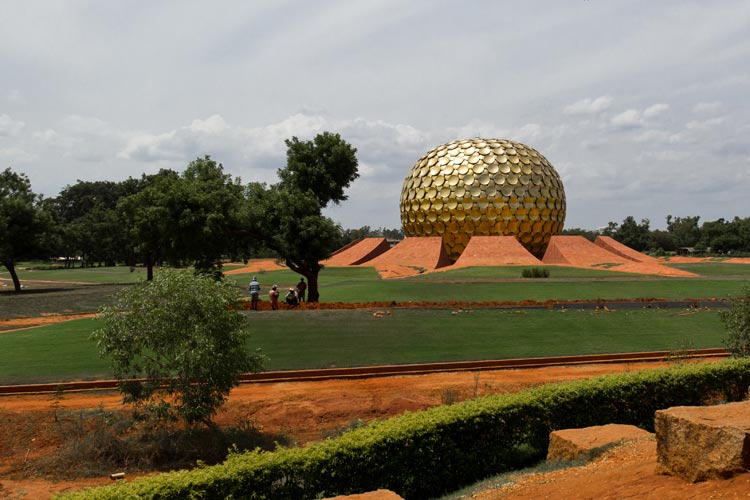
(302, 411)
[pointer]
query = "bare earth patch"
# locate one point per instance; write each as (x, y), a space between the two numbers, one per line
(304, 412)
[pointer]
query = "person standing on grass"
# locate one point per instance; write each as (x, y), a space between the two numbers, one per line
(301, 287)
(254, 293)
(274, 295)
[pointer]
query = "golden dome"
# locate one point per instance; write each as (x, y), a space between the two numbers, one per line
(484, 187)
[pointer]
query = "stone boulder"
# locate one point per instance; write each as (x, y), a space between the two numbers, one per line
(703, 442)
(373, 495)
(587, 443)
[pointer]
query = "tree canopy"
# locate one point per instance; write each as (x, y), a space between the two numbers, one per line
(289, 213)
(23, 222)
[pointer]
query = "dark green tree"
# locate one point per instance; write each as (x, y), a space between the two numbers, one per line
(632, 234)
(147, 218)
(288, 215)
(205, 209)
(685, 230)
(23, 223)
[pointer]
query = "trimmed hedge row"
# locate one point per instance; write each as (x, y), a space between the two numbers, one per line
(425, 454)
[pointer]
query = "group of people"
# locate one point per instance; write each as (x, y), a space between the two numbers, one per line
(293, 297)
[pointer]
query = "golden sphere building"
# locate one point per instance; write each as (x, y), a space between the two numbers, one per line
(484, 187)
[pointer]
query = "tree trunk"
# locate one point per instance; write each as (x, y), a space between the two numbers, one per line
(312, 287)
(149, 268)
(11, 267)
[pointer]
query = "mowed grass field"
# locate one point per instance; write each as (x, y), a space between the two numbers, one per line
(362, 337)
(327, 338)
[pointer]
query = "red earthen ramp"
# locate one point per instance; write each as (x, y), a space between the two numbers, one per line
(412, 255)
(358, 253)
(495, 251)
(612, 245)
(577, 251)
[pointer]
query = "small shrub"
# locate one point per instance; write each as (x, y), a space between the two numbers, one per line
(737, 322)
(535, 272)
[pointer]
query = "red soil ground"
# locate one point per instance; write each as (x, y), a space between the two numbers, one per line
(303, 411)
(358, 253)
(413, 255)
(495, 251)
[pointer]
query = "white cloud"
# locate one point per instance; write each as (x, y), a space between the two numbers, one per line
(707, 108)
(655, 110)
(707, 124)
(630, 118)
(10, 127)
(589, 106)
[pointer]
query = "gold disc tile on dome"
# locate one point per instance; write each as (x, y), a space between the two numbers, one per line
(493, 168)
(520, 191)
(511, 152)
(475, 191)
(424, 171)
(425, 182)
(512, 179)
(479, 167)
(468, 179)
(505, 168)
(438, 181)
(463, 168)
(514, 160)
(525, 160)
(452, 180)
(498, 150)
(439, 227)
(480, 144)
(443, 161)
(431, 161)
(451, 146)
(524, 179)
(506, 190)
(483, 150)
(515, 168)
(469, 150)
(435, 169)
(526, 169)
(501, 158)
(474, 158)
(484, 179)
(451, 204)
(459, 214)
(490, 191)
(467, 203)
(445, 192)
(437, 204)
(431, 193)
(444, 215)
(432, 216)
(459, 191)
(490, 159)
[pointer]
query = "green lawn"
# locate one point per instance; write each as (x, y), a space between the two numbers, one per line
(319, 339)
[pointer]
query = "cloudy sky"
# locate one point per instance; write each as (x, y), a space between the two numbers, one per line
(641, 106)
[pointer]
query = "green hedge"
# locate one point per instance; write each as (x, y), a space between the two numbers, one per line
(425, 454)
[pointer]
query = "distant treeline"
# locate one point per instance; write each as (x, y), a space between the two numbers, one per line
(720, 237)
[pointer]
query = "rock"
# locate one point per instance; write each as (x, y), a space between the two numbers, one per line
(703, 442)
(587, 443)
(373, 495)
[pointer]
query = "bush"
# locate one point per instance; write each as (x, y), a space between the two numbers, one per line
(177, 345)
(535, 272)
(737, 322)
(425, 454)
